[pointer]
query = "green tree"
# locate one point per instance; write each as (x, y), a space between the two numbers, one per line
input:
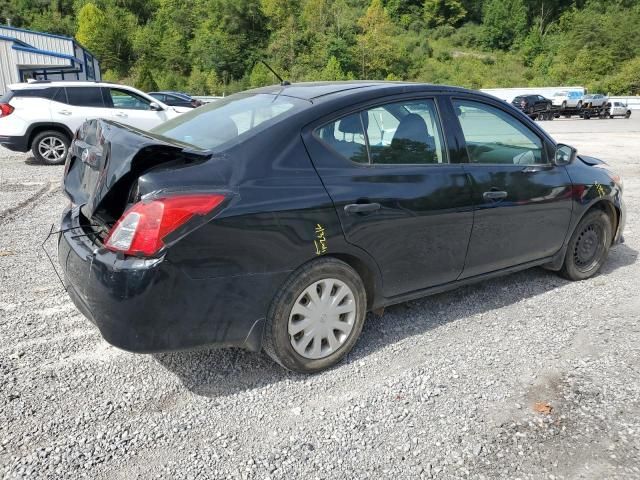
(107, 33)
(443, 12)
(505, 22)
(145, 81)
(376, 47)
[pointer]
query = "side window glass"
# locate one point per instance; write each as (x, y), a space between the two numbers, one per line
(406, 133)
(85, 96)
(60, 96)
(346, 136)
(495, 137)
(127, 100)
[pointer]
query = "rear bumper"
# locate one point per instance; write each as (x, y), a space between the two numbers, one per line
(152, 305)
(17, 143)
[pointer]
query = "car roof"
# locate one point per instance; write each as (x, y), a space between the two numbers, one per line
(62, 83)
(313, 91)
(172, 92)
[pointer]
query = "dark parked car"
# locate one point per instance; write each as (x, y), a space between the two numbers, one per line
(276, 218)
(176, 99)
(531, 104)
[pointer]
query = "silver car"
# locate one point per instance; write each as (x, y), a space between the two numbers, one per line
(595, 100)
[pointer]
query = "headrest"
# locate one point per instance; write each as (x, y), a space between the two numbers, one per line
(412, 127)
(352, 124)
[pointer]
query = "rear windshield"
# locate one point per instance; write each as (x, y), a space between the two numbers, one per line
(238, 116)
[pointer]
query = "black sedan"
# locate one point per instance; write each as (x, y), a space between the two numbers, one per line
(276, 218)
(176, 99)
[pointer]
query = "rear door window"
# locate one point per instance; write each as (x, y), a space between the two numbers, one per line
(401, 133)
(85, 96)
(347, 137)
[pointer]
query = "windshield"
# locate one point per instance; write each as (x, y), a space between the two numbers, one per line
(238, 116)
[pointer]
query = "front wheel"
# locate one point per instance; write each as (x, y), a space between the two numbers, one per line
(50, 147)
(588, 246)
(628, 114)
(317, 316)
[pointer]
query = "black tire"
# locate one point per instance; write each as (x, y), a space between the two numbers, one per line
(564, 105)
(277, 341)
(588, 247)
(58, 143)
(628, 114)
(579, 106)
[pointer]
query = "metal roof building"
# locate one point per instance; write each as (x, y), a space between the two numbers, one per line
(25, 54)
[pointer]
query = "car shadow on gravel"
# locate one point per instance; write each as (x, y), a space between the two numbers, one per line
(221, 372)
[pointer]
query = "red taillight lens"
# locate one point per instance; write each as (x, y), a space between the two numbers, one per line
(141, 229)
(5, 109)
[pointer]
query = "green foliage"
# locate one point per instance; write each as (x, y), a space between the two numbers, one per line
(443, 12)
(213, 46)
(505, 22)
(144, 80)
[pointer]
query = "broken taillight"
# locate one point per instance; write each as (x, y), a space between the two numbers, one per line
(142, 229)
(5, 109)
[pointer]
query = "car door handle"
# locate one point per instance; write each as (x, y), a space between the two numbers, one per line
(536, 168)
(64, 112)
(121, 114)
(355, 208)
(494, 195)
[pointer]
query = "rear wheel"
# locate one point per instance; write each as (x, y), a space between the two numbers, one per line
(588, 246)
(317, 316)
(50, 147)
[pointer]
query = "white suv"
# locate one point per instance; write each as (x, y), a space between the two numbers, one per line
(43, 116)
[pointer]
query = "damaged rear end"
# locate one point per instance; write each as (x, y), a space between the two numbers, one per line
(134, 197)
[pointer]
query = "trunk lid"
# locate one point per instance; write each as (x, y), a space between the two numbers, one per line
(107, 158)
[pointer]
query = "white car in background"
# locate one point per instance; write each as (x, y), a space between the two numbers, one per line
(619, 109)
(595, 100)
(43, 116)
(570, 99)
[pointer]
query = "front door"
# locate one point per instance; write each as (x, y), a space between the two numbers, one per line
(523, 201)
(386, 168)
(132, 109)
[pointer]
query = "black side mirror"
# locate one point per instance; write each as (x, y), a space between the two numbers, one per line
(155, 106)
(565, 154)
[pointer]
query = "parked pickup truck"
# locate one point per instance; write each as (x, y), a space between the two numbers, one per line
(619, 109)
(566, 100)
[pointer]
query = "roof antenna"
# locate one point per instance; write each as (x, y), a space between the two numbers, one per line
(284, 83)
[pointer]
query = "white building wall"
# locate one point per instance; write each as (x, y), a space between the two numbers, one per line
(8, 69)
(43, 42)
(36, 60)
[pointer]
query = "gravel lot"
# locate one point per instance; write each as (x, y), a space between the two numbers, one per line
(452, 386)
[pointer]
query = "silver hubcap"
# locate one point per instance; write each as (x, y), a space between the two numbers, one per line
(52, 148)
(322, 318)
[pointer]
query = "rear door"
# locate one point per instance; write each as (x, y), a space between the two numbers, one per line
(388, 170)
(72, 106)
(523, 201)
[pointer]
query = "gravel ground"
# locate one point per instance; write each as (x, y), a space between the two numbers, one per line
(528, 376)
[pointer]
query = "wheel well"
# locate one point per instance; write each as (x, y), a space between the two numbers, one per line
(611, 210)
(363, 270)
(43, 128)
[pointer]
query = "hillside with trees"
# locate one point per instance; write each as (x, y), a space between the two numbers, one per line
(212, 46)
